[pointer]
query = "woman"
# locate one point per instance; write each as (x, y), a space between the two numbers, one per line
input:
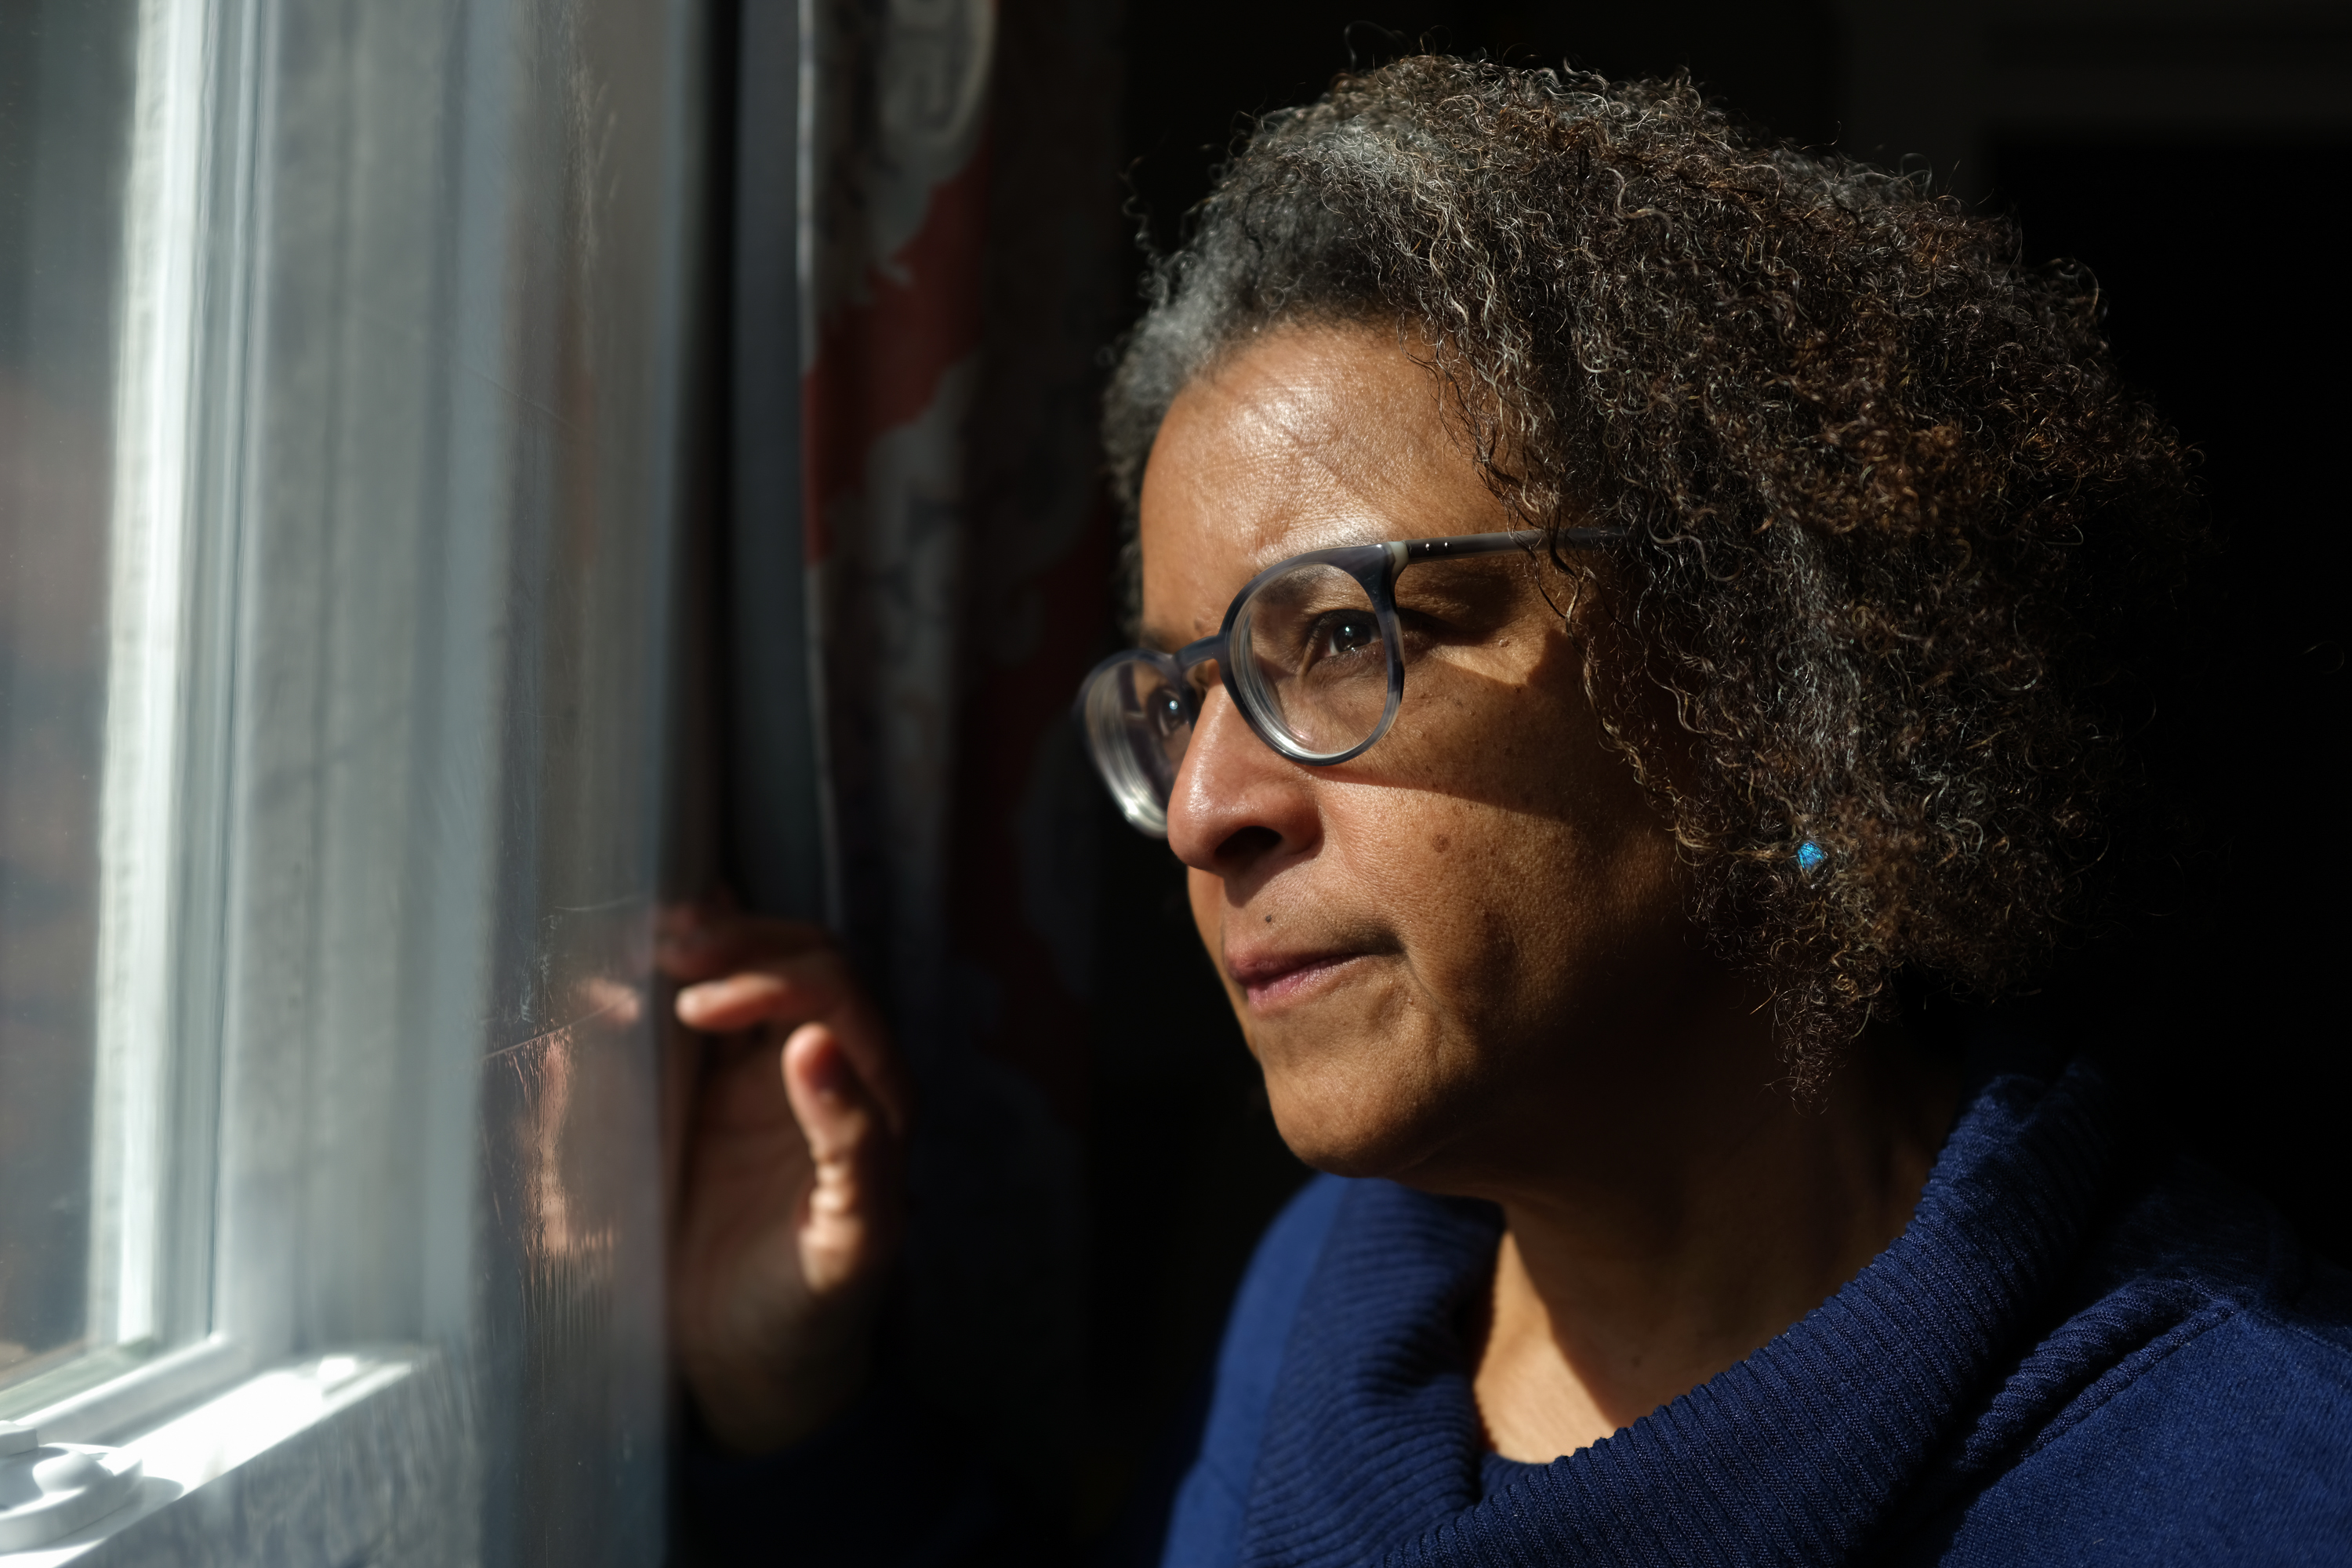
(1623, 607)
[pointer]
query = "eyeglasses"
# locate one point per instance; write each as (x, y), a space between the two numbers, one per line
(1311, 651)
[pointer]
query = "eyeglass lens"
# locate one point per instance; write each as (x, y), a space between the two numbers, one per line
(1138, 724)
(1309, 661)
(1309, 650)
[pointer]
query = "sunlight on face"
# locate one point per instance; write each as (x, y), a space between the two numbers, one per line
(1427, 942)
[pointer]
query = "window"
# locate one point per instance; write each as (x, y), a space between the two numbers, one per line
(97, 336)
(55, 318)
(345, 364)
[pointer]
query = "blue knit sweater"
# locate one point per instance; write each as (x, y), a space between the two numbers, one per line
(2081, 1351)
(2075, 1353)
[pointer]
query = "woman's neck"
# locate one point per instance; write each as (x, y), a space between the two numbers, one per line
(1626, 1280)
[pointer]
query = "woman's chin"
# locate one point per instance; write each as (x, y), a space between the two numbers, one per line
(1364, 1082)
(1345, 1133)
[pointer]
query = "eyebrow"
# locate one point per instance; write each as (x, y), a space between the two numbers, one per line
(1159, 639)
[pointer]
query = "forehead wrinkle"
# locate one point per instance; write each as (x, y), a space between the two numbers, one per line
(1296, 459)
(1297, 422)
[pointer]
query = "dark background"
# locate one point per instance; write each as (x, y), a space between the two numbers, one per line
(2190, 157)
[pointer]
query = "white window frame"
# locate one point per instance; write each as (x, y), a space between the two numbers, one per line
(148, 1314)
(181, 1371)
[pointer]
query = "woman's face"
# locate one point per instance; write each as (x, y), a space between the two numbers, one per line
(1433, 944)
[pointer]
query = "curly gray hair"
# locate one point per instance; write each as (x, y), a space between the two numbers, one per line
(1893, 516)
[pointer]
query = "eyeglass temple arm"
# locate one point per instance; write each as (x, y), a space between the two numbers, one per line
(1214, 646)
(1201, 652)
(1493, 543)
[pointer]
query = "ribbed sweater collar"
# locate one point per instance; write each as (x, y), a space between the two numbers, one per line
(1372, 1450)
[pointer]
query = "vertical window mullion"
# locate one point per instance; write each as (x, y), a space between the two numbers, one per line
(145, 686)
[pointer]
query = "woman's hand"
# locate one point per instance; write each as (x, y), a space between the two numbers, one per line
(792, 1200)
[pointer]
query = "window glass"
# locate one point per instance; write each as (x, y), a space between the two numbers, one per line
(66, 79)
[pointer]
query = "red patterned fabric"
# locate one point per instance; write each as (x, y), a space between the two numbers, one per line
(961, 253)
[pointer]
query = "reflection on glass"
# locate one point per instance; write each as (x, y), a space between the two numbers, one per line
(66, 83)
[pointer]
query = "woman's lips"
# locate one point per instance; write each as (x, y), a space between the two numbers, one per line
(1272, 979)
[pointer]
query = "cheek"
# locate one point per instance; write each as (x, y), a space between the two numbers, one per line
(1438, 861)
(1479, 897)
(1526, 889)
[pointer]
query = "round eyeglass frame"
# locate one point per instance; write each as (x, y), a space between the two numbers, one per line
(1375, 567)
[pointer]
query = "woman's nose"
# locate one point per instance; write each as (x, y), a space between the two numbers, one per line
(1236, 800)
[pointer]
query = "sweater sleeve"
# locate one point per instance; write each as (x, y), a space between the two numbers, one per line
(1205, 1527)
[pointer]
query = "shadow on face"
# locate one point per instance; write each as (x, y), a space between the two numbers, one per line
(1428, 946)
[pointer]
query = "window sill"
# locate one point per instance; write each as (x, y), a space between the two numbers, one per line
(356, 1457)
(113, 1392)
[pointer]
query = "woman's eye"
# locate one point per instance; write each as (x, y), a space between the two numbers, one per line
(1346, 634)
